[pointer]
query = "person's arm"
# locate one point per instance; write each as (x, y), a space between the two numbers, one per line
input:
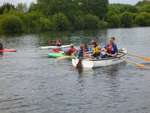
(116, 48)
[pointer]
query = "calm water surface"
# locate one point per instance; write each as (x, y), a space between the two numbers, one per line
(32, 83)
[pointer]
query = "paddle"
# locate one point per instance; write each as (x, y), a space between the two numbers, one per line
(79, 65)
(136, 64)
(53, 47)
(146, 59)
(65, 57)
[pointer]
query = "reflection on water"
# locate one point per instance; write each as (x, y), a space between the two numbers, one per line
(75, 37)
(32, 83)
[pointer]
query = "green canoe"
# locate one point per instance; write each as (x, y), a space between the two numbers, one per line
(55, 55)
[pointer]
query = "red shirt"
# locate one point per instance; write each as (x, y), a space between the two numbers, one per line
(109, 48)
(71, 51)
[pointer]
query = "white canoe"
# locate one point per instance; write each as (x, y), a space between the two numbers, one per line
(53, 47)
(89, 63)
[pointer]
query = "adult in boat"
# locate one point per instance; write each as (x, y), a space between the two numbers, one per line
(87, 51)
(82, 52)
(111, 48)
(114, 43)
(58, 42)
(57, 49)
(95, 50)
(71, 51)
(80, 55)
(1, 48)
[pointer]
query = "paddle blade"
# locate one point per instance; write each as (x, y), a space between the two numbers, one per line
(140, 65)
(65, 57)
(147, 59)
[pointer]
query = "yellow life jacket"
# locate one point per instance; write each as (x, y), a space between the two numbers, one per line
(96, 50)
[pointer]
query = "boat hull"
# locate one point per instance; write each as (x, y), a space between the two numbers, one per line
(8, 50)
(88, 63)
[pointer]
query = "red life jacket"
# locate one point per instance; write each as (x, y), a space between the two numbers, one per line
(71, 51)
(109, 48)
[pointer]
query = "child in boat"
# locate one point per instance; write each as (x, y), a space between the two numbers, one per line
(95, 50)
(103, 53)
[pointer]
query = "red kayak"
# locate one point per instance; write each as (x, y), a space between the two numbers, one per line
(8, 50)
(55, 50)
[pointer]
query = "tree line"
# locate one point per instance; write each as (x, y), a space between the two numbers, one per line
(60, 15)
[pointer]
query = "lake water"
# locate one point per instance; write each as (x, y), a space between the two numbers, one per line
(32, 83)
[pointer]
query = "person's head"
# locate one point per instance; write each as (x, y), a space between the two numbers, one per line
(94, 44)
(113, 39)
(71, 46)
(58, 40)
(93, 41)
(85, 45)
(110, 42)
(81, 46)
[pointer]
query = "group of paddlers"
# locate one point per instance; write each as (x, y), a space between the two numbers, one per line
(93, 50)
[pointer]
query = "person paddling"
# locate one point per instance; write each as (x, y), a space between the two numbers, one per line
(115, 48)
(1, 48)
(80, 55)
(111, 48)
(58, 42)
(71, 51)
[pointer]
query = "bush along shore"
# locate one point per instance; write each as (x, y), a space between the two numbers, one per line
(61, 15)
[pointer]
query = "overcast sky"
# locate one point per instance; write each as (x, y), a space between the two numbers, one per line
(29, 1)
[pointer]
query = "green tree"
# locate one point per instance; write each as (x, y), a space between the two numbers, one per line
(60, 21)
(51, 7)
(121, 8)
(91, 22)
(21, 7)
(95, 7)
(11, 24)
(6, 7)
(103, 24)
(145, 8)
(142, 19)
(114, 21)
(31, 21)
(127, 19)
(45, 24)
(78, 22)
(34, 7)
(69, 7)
